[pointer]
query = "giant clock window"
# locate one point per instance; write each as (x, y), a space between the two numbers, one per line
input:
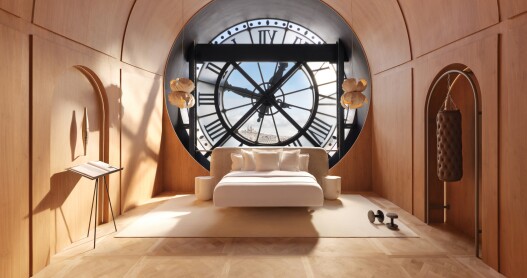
(284, 103)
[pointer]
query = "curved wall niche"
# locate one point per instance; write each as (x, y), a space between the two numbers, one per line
(77, 88)
(455, 203)
(222, 14)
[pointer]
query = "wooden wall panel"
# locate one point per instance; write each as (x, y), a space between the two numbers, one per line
(14, 150)
(99, 24)
(513, 151)
(482, 57)
(20, 8)
(355, 167)
(432, 24)
(392, 136)
(510, 8)
(69, 195)
(380, 26)
(178, 167)
(151, 31)
(142, 102)
(461, 194)
(61, 201)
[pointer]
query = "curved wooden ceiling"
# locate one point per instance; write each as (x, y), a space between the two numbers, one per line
(142, 32)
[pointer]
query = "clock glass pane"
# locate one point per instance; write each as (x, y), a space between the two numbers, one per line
(283, 103)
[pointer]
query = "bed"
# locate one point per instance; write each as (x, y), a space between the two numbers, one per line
(275, 188)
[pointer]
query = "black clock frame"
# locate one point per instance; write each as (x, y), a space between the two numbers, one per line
(301, 54)
(265, 96)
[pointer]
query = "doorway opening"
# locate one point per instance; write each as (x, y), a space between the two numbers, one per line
(455, 203)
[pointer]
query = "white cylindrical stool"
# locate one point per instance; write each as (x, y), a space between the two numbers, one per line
(204, 187)
(331, 187)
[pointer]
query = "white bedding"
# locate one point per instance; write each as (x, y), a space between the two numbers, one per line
(268, 189)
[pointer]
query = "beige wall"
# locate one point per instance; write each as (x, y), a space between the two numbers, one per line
(126, 45)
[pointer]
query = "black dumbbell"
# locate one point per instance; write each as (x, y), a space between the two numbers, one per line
(391, 225)
(379, 215)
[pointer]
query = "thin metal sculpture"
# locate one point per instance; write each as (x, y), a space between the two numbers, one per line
(85, 130)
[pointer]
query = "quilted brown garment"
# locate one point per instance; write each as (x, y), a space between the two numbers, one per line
(449, 151)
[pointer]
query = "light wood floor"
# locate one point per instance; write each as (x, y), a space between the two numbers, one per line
(439, 252)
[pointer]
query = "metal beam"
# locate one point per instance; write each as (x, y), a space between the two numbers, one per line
(267, 52)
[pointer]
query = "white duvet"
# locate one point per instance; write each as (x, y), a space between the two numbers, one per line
(268, 189)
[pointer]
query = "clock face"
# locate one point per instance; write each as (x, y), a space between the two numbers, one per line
(267, 103)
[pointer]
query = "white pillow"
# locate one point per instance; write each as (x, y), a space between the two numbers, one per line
(248, 161)
(237, 162)
(303, 162)
(290, 160)
(267, 161)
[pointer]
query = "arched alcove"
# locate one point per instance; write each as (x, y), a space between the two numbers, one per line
(77, 88)
(456, 204)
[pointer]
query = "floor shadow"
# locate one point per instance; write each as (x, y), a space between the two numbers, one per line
(196, 219)
(333, 204)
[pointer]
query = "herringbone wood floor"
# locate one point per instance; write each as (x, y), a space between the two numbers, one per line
(439, 252)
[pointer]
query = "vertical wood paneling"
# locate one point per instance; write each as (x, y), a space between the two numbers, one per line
(513, 151)
(461, 194)
(510, 8)
(481, 56)
(20, 8)
(14, 150)
(435, 191)
(435, 23)
(392, 137)
(355, 167)
(69, 194)
(99, 24)
(142, 100)
(178, 167)
(61, 201)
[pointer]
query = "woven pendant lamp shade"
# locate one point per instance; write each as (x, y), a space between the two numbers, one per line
(449, 149)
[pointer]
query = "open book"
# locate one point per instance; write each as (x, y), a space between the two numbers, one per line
(94, 169)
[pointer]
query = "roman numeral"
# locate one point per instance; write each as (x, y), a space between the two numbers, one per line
(205, 99)
(298, 40)
(234, 41)
(214, 68)
(295, 144)
(264, 34)
(319, 130)
(215, 129)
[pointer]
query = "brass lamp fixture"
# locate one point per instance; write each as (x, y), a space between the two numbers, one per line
(353, 97)
(181, 94)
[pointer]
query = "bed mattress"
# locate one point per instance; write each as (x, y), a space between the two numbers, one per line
(268, 189)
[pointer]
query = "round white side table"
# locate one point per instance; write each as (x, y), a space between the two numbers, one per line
(204, 187)
(331, 187)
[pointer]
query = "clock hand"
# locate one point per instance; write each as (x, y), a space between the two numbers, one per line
(278, 74)
(244, 92)
(283, 104)
(261, 112)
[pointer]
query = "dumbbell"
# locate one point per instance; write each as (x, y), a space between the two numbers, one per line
(379, 216)
(392, 225)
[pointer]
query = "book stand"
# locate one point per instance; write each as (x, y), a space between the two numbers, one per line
(94, 170)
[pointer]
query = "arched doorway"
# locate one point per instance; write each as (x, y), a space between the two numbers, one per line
(456, 204)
